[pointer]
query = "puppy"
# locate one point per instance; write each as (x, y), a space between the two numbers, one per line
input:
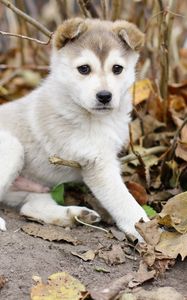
(80, 112)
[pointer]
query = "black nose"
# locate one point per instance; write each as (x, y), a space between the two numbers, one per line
(104, 97)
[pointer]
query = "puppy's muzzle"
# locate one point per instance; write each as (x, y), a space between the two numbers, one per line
(104, 97)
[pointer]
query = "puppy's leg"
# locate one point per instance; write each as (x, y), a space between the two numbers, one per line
(11, 162)
(104, 179)
(42, 207)
(2, 225)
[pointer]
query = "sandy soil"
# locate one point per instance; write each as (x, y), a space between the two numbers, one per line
(22, 256)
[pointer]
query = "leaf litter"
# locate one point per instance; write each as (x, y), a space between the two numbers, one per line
(154, 180)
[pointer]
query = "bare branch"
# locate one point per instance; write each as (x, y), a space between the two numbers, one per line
(116, 9)
(83, 8)
(25, 37)
(146, 152)
(104, 5)
(87, 7)
(27, 18)
(55, 160)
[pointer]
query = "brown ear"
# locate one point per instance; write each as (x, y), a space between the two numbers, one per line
(130, 34)
(69, 30)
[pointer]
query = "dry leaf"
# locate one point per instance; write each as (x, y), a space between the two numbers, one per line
(138, 192)
(113, 289)
(119, 235)
(49, 232)
(172, 244)
(115, 256)
(181, 150)
(141, 90)
(174, 213)
(142, 275)
(150, 124)
(2, 281)
(59, 286)
(150, 231)
(161, 293)
(86, 256)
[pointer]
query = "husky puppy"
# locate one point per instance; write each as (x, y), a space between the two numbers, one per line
(80, 112)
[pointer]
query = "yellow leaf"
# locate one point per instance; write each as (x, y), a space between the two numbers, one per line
(141, 90)
(172, 244)
(59, 286)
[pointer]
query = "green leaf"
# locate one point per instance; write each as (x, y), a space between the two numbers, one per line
(149, 211)
(57, 193)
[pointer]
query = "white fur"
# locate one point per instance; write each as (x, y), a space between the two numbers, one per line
(60, 118)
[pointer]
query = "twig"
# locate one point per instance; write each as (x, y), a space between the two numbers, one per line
(104, 9)
(124, 160)
(30, 67)
(55, 160)
(154, 150)
(9, 77)
(116, 9)
(174, 144)
(62, 6)
(25, 37)
(90, 225)
(166, 23)
(26, 17)
(86, 6)
(83, 8)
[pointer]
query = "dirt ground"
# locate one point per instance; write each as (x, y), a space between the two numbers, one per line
(22, 256)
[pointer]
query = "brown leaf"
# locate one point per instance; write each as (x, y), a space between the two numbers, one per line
(2, 281)
(150, 124)
(174, 213)
(138, 191)
(181, 150)
(172, 244)
(113, 289)
(150, 231)
(49, 232)
(86, 256)
(119, 235)
(142, 275)
(115, 256)
(161, 293)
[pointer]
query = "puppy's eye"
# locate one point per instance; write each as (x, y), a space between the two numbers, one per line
(117, 69)
(84, 69)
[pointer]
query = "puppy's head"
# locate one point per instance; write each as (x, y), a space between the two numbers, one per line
(94, 61)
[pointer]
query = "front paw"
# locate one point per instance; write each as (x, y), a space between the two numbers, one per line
(2, 225)
(128, 224)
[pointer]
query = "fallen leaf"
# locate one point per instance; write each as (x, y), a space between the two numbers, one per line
(150, 231)
(142, 275)
(115, 256)
(59, 286)
(119, 235)
(181, 150)
(149, 123)
(172, 244)
(49, 232)
(138, 192)
(141, 90)
(161, 293)
(86, 256)
(57, 194)
(149, 211)
(2, 281)
(174, 213)
(112, 290)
